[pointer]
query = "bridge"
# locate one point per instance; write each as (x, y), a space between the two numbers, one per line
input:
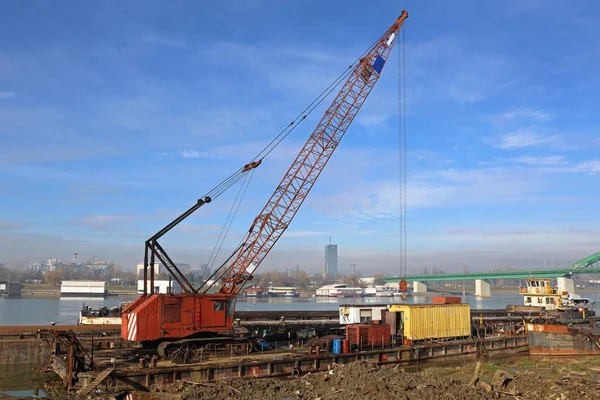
(588, 265)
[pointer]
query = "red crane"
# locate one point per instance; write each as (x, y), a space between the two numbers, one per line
(156, 317)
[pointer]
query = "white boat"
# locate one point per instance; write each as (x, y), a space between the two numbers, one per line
(378, 291)
(282, 291)
(573, 302)
(339, 290)
(540, 293)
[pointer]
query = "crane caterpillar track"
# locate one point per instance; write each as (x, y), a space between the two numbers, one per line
(189, 351)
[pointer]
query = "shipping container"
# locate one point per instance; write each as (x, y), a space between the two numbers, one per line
(445, 300)
(368, 335)
(415, 322)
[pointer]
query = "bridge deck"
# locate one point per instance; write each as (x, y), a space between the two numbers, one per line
(540, 273)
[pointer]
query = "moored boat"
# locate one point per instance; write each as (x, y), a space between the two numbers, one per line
(102, 316)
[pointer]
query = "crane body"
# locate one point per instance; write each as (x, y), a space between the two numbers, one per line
(156, 317)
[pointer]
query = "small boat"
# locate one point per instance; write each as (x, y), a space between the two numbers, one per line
(102, 316)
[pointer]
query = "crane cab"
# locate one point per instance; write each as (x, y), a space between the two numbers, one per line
(164, 316)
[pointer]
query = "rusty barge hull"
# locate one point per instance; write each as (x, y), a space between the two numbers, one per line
(408, 356)
(561, 340)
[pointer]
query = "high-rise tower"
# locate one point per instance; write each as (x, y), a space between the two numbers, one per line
(331, 259)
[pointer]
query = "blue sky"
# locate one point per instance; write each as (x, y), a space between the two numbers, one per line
(116, 116)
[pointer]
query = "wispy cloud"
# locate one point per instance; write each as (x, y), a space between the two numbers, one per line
(105, 221)
(522, 113)
(191, 153)
(541, 161)
(591, 167)
(525, 138)
(291, 234)
(188, 227)
(10, 225)
(448, 188)
(7, 95)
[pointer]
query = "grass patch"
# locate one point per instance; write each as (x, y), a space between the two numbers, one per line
(41, 286)
(121, 288)
(489, 368)
(527, 364)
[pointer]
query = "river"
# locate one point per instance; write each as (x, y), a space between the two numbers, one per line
(41, 311)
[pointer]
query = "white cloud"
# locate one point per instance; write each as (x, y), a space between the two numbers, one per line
(291, 234)
(9, 225)
(7, 95)
(591, 167)
(522, 113)
(193, 154)
(368, 200)
(187, 227)
(525, 138)
(105, 221)
(541, 161)
(468, 89)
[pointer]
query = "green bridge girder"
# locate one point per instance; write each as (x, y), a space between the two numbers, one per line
(586, 265)
(540, 273)
(587, 262)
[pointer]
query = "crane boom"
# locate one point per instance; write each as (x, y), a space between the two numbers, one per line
(297, 182)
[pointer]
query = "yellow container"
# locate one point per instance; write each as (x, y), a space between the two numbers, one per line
(432, 321)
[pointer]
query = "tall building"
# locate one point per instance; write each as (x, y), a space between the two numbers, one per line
(331, 259)
(140, 269)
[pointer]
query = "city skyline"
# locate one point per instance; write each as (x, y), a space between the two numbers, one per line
(116, 117)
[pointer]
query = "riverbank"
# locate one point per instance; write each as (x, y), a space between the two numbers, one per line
(49, 291)
(523, 378)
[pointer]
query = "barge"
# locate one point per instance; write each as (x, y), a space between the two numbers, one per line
(562, 340)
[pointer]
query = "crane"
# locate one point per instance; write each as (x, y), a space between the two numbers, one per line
(178, 324)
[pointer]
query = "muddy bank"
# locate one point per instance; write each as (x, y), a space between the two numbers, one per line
(361, 380)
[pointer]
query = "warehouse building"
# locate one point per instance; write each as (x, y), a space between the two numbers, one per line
(83, 289)
(160, 287)
(10, 288)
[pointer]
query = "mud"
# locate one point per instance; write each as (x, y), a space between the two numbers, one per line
(362, 380)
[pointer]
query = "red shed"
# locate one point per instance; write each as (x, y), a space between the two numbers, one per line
(445, 300)
(368, 335)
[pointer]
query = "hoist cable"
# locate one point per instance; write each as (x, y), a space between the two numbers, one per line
(302, 116)
(229, 221)
(235, 177)
(404, 156)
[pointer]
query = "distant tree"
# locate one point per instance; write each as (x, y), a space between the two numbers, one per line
(190, 277)
(53, 277)
(302, 280)
(354, 281)
(274, 278)
(32, 274)
(379, 279)
(127, 277)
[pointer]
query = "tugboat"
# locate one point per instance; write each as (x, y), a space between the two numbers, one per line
(570, 329)
(540, 293)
